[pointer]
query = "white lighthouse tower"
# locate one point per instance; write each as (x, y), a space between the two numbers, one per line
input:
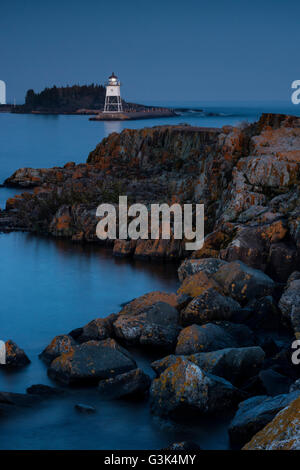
(2, 92)
(113, 102)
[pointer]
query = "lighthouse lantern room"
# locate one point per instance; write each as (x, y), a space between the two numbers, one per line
(113, 102)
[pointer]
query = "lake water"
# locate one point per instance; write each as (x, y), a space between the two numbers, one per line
(49, 287)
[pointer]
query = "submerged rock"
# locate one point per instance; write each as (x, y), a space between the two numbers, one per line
(91, 361)
(184, 446)
(184, 385)
(44, 390)
(135, 382)
(82, 408)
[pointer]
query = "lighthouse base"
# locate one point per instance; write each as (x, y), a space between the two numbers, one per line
(130, 116)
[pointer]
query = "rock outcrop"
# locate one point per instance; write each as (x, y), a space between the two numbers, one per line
(184, 386)
(282, 433)
(247, 178)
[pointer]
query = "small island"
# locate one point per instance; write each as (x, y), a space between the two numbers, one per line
(83, 99)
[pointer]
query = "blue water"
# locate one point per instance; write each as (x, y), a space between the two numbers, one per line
(49, 287)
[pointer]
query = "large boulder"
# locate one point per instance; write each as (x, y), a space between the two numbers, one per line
(211, 337)
(289, 305)
(15, 356)
(59, 345)
(135, 382)
(233, 364)
(184, 386)
(209, 306)
(91, 361)
(192, 266)
(155, 326)
(283, 260)
(282, 433)
(244, 283)
(255, 413)
(248, 247)
(198, 283)
(138, 305)
(98, 329)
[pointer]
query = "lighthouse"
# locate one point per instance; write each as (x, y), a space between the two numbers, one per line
(113, 102)
(2, 92)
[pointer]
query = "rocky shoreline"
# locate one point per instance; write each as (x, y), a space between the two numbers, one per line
(225, 337)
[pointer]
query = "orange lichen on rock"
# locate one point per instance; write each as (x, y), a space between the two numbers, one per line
(283, 433)
(63, 222)
(198, 283)
(138, 305)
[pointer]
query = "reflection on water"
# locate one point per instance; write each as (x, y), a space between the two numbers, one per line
(112, 126)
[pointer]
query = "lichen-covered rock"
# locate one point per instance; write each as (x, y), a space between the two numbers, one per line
(289, 305)
(15, 356)
(209, 306)
(213, 243)
(136, 306)
(196, 284)
(91, 361)
(124, 248)
(211, 337)
(248, 247)
(59, 345)
(154, 326)
(255, 413)
(282, 433)
(244, 283)
(185, 386)
(62, 223)
(98, 329)
(233, 364)
(192, 266)
(162, 364)
(135, 382)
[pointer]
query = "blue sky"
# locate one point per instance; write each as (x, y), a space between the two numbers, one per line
(162, 50)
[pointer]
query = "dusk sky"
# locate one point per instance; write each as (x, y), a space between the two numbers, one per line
(162, 50)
